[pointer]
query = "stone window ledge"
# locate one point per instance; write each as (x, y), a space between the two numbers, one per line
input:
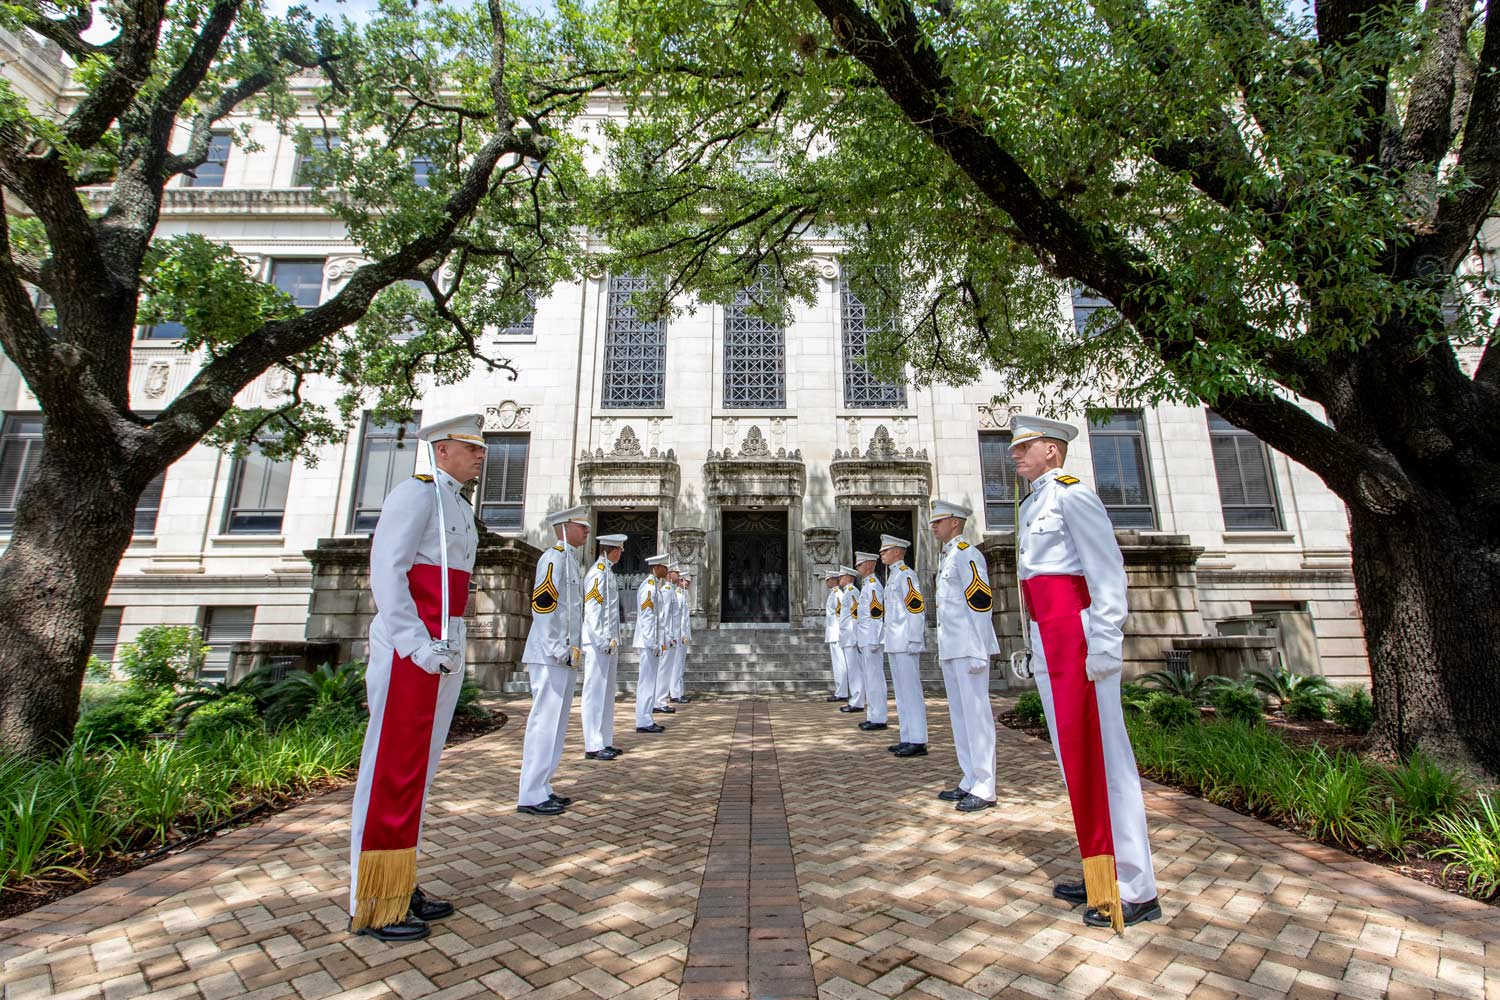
(1259, 537)
(249, 541)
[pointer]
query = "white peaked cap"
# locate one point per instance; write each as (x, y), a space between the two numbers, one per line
(673, 567)
(575, 515)
(892, 542)
(1024, 428)
(468, 428)
(686, 577)
(947, 508)
(832, 574)
(848, 571)
(860, 557)
(658, 560)
(612, 541)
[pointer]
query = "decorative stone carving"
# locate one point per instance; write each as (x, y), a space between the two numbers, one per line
(343, 268)
(851, 426)
(884, 476)
(278, 381)
(822, 545)
(157, 375)
(507, 416)
(627, 445)
(755, 445)
(653, 431)
(627, 474)
(826, 268)
(778, 432)
(996, 417)
(901, 431)
(254, 263)
(731, 433)
(686, 544)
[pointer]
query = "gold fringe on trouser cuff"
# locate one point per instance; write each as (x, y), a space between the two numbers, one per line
(1103, 889)
(386, 881)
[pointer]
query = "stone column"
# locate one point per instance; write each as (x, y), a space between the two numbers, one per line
(686, 546)
(821, 546)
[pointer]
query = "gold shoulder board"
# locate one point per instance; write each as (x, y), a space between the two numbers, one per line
(962, 546)
(423, 476)
(1067, 480)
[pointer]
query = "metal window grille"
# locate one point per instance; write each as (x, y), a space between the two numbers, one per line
(1247, 488)
(754, 353)
(1122, 474)
(502, 491)
(635, 351)
(526, 325)
(222, 627)
(387, 455)
(862, 390)
(1002, 487)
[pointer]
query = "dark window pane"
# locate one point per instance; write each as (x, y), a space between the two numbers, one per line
(301, 279)
(754, 353)
(1242, 466)
(1087, 303)
(169, 330)
(388, 454)
(257, 494)
(1002, 487)
(526, 325)
(20, 455)
(502, 491)
(421, 171)
(107, 635)
(635, 351)
(222, 627)
(211, 172)
(861, 389)
(1122, 476)
(302, 171)
(149, 506)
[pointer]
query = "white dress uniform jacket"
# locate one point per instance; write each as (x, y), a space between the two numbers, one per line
(965, 602)
(556, 608)
(905, 612)
(832, 611)
(601, 626)
(601, 605)
(648, 630)
(870, 629)
(849, 617)
(1066, 531)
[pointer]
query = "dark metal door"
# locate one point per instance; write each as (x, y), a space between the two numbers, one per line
(753, 566)
(640, 525)
(866, 527)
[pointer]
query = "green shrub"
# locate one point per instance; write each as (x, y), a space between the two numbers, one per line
(1426, 788)
(1029, 708)
(1474, 847)
(301, 692)
(1387, 829)
(1283, 685)
(1333, 795)
(256, 687)
(1352, 708)
(1238, 703)
(96, 694)
(1168, 711)
(97, 670)
(1307, 705)
(469, 701)
(91, 817)
(228, 714)
(1198, 690)
(1133, 698)
(333, 717)
(163, 656)
(130, 718)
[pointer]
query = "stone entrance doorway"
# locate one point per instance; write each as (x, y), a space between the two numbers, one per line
(866, 525)
(641, 526)
(753, 566)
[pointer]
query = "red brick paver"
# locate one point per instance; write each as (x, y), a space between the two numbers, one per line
(900, 895)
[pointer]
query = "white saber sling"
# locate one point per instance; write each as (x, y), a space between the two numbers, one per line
(442, 551)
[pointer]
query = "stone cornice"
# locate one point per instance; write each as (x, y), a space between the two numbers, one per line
(224, 201)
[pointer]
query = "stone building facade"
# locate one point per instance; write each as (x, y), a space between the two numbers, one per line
(757, 455)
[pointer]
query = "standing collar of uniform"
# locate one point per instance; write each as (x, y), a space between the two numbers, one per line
(1046, 478)
(448, 481)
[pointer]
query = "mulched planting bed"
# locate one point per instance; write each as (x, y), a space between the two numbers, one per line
(1332, 738)
(18, 899)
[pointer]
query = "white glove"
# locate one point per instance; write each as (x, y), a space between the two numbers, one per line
(575, 657)
(978, 667)
(614, 644)
(437, 657)
(1102, 666)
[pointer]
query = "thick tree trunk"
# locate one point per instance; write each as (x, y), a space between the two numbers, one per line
(72, 527)
(1429, 592)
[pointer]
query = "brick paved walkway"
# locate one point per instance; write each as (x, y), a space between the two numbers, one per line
(900, 895)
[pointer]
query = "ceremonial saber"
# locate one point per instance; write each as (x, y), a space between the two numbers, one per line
(442, 548)
(1020, 660)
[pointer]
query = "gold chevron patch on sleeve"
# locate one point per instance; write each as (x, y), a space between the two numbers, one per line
(593, 594)
(877, 610)
(914, 602)
(648, 603)
(544, 597)
(978, 592)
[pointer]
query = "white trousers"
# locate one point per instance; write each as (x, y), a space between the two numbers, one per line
(877, 695)
(856, 672)
(645, 686)
(599, 679)
(973, 723)
(1127, 807)
(679, 671)
(377, 687)
(840, 670)
(911, 707)
(546, 727)
(669, 674)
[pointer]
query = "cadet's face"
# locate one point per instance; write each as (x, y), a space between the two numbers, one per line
(659, 572)
(613, 555)
(845, 580)
(891, 556)
(1033, 458)
(946, 528)
(460, 459)
(575, 533)
(831, 583)
(866, 568)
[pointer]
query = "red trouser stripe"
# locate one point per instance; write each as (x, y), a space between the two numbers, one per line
(400, 779)
(1055, 603)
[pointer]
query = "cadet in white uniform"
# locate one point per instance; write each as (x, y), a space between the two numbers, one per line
(849, 638)
(685, 638)
(601, 650)
(1073, 579)
(552, 656)
(412, 682)
(905, 639)
(670, 600)
(966, 641)
(832, 608)
(650, 640)
(870, 631)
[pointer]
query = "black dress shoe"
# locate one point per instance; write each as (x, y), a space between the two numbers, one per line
(912, 750)
(870, 727)
(954, 794)
(683, 700)
(973, 803)
(409, 929)
(1072, 893)
(605, 754)
(547, 808)
(615, 750)
(653, 728)
(665, 708)
(561, 800)
(1134, 913)
(834, 697)
(849, 708)
(896, 746)
(427, 909)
